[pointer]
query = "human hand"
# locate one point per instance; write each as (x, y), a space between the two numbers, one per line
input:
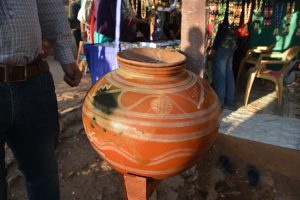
(46, 48)
(72, 74)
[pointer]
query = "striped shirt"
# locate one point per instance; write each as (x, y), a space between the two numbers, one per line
(23, 22)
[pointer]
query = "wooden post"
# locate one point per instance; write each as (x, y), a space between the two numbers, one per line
(193, 31)
(138, 188)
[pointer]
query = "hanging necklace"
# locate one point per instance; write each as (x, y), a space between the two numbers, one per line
(152, 4)
(237, 13)
(215, 16)
(143, 9)
(231, 13)
(268, 13)
(248, 8)
(212, 11)
(258, 7)
(135, 5)
(221, 11)
(290, 8)
(277, 18)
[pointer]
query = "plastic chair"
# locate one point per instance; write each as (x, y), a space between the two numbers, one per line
(251, 59)
(81, 58)
(260, 70)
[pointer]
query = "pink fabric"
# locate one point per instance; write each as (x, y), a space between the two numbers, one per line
(276, 74)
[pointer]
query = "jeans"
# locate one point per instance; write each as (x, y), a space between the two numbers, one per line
(29, 125)
(223, 77)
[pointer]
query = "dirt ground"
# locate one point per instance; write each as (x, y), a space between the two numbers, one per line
(85, 176)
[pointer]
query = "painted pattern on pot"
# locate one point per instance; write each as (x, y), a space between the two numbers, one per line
(151, 117)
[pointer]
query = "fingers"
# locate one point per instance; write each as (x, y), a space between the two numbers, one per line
(73, 79)
(69, 81)
(72, 74)
(77, 78)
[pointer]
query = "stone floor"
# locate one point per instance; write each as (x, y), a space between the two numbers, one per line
(263, 120)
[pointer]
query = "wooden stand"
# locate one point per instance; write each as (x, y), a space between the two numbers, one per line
(138, 188)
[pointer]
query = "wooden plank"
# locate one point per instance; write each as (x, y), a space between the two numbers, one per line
(135, 187)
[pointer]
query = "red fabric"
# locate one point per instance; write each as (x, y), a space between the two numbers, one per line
(212, 17)
(241, 29)
(210, 28)
(92, 24)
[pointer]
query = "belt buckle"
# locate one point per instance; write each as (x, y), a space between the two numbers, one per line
(6, 71)
(25, 73)
(4, 67)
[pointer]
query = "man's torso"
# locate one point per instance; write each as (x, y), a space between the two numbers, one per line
(20, 32)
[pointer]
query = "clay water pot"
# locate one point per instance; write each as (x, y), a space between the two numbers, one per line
(151, 117)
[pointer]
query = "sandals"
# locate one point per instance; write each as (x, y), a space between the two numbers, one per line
(251, 171)
(226, 164)
(253, 175)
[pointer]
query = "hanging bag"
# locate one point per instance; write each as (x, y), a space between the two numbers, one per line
(102, 59)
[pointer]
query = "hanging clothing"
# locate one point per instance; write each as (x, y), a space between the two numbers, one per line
(105, 19)
(85, 12)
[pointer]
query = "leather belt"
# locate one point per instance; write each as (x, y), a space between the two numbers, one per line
(19, 73)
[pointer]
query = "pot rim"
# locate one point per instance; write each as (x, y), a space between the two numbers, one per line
(179, 58)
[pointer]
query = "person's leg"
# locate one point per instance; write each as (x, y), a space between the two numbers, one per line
(5, 122)
(230, 83)
(219, 70)
(35, 135)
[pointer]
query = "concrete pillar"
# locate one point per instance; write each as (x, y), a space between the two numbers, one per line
(193, 28)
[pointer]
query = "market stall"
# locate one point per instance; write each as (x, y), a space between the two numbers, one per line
(135, 23)
(264, 22)
(249, 39)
